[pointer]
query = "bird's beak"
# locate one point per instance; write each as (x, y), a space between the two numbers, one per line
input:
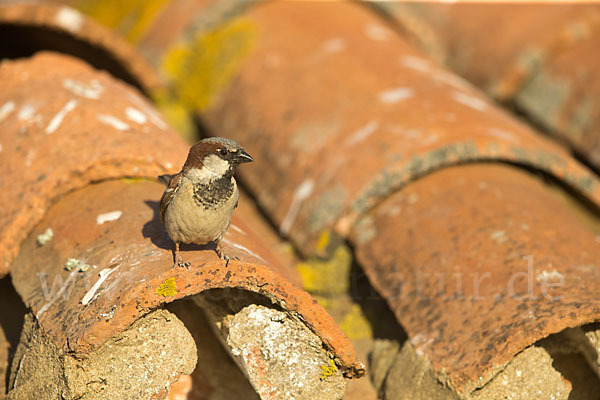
(244, 157)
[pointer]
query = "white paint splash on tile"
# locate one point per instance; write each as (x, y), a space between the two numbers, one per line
(244, 249)
(499, 236)
(470, 101)
(29, 157)
(377, 32)
(109, 216)
(333, 45)
(152, 114)
(395, 95)
(58, 118)
(430, 139)
(362, 133)
(437, 74)
(135, 115)
(407, 133)
(420, 342)
(105, 273)
(549, 276)
(6, 109)
(26, 113)
(502, 134)
(45, 237)
(415, 63)
(301, 193)
(452, 80)
(91, 91)
(237, 229)
(113, 121)
(69, 19)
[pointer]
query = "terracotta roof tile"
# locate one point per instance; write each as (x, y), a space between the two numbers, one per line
(478, 269)
(352, 112)
(53, 27)
(350, 118)
(50, 108)
(539, 57)
(353, 131)
(80, 147)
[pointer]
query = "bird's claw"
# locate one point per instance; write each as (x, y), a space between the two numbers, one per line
(224, 256)
(182, 264)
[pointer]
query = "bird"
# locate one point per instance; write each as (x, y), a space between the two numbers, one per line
(198, 203)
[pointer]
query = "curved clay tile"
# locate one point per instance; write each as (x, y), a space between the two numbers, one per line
(350, 113)
(64, 125)
(77, 148)
(120, 232)
(539, 57)
(485, 261)
(349, 116)
(52, 27)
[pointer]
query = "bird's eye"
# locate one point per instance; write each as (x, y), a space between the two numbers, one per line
(223, 152)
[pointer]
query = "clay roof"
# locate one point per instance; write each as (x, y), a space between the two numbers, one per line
(540, 58)
(480, 232)
(83, 151)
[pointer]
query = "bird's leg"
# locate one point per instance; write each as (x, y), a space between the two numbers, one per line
(178, 262)
(222, 254)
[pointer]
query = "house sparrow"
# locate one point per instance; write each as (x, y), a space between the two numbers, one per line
(199, 201)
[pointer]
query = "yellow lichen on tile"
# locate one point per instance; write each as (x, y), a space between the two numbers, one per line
(130, 18)
(202, 67)
(328, 370)
(355, 325)
(167, 288)
(328, 277)
(323, 241)
(324, 302)
(136, 180)
(176, 114)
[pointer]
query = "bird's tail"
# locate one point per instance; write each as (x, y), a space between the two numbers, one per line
(165, 179)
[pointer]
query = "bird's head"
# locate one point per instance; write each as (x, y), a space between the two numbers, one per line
(213, 158)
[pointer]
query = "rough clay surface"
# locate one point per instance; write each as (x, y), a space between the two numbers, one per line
(138, 364)
(292, 357)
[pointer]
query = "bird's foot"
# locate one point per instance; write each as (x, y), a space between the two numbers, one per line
(178, 262)
(223, 256)
(182, 264)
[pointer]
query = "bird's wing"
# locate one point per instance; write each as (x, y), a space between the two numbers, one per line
(167, 196)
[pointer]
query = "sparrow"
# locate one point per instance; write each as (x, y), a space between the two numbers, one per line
(199, 201)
